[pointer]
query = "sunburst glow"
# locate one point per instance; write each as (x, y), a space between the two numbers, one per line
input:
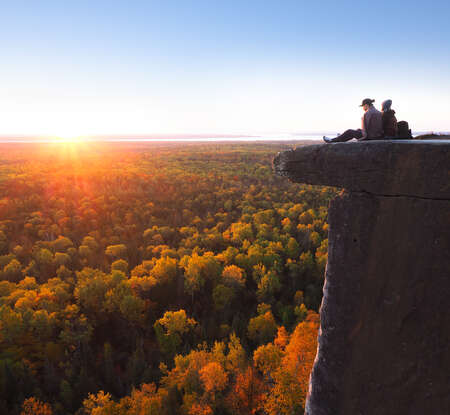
(69, 137)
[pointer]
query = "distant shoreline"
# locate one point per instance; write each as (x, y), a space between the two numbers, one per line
(229, 139)
(186, 138)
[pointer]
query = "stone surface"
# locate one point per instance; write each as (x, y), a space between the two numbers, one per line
(386, 167)
(385, 319)
(385, 316)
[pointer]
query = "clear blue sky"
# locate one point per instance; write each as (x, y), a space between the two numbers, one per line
(137, 67)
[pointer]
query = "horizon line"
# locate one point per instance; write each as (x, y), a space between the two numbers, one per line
(194, 135)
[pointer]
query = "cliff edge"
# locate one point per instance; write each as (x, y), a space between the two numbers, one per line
(385, 320)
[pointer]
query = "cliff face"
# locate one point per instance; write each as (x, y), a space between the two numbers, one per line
(385, 319)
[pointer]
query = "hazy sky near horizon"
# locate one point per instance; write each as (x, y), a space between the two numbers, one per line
(140, 67)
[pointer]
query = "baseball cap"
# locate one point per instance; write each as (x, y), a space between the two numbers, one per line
(367, 101)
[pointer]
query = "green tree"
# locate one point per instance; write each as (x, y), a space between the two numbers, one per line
(62, 259)
(3, 242)
(171, 328)
(223, 296)
(262, 329)
(13, 271)
(116, 251)
(293, 248)
(120, 265)
(61, 244)
(198, 269)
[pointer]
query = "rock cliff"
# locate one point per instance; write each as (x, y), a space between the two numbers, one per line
(385, 315)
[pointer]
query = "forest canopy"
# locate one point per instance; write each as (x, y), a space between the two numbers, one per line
(157, 279)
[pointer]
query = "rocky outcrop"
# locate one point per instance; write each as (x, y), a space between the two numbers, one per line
(386, 168)
(385, 315)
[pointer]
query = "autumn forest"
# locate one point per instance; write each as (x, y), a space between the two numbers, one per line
(157, 278)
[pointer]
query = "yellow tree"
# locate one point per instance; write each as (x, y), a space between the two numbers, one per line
(98, 404)
(33, 406)
(165, 269)
(214, 378)
(267, 358)
(247, 393)
(262, 329)
(200, 409)
(233, 276)
(291, 379)
(170, 328)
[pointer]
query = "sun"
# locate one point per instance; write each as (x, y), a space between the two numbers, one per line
(69, 137)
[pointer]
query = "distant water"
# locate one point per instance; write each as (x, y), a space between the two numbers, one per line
(243, 138)
(183, 138)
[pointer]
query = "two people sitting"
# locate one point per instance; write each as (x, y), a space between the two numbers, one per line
(375, 125)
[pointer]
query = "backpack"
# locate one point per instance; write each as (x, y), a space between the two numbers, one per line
(389, 124)
(403, 130)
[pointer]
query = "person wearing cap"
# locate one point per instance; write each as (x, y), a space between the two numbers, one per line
(371, 126)
(390, 126)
